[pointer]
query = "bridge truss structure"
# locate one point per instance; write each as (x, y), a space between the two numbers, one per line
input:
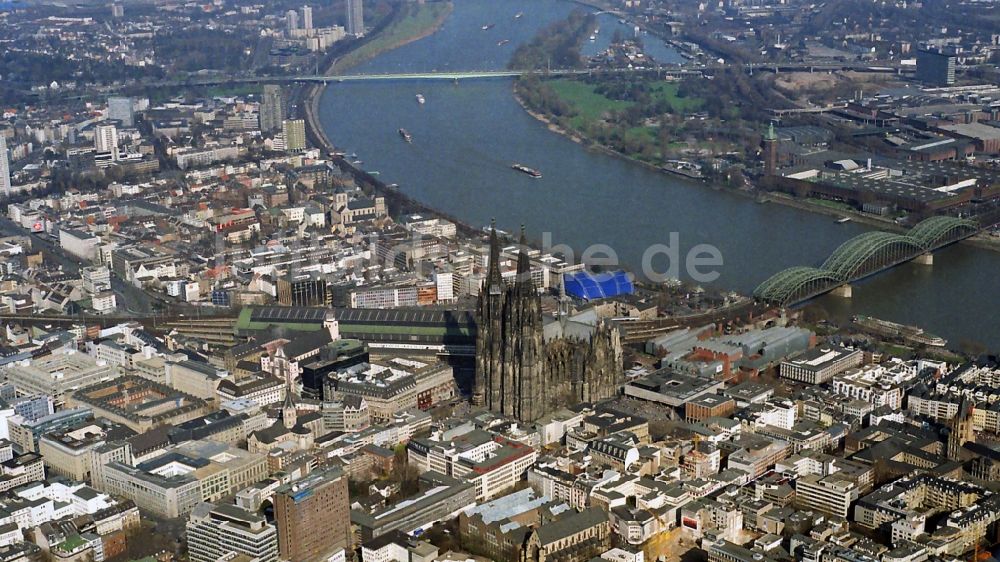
(861, 256)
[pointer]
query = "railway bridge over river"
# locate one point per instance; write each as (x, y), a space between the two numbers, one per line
(863, 256)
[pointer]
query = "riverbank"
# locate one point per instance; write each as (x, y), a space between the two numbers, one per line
(394, 38)
(983, 241)
(415, 22)
(412, 23)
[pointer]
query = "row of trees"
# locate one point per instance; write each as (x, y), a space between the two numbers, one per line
(197, 49)
(557, 46)
(732, 94)
(25, 69)
(537, 95)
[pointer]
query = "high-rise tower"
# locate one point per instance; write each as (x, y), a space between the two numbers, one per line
(307, 18)
(122, 110)
(272, 108)
(4, 167)
(355, 18)
(106, 140)
(313, 517)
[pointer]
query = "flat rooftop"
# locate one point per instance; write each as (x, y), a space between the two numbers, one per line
(819, 357)
(672, 388)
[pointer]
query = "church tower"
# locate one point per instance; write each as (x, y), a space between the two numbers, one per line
(526, 400)
(769, 146)
(509, 347)
(520, 372)
(289, 412)
(961, 429)
(490, 326)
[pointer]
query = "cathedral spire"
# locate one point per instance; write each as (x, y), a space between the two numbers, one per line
(563, 303)
(523, 262)
(494, 281)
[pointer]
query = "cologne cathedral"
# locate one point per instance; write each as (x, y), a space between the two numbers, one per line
(527, 367)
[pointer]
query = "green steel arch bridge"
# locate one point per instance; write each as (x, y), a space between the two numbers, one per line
(862, 256)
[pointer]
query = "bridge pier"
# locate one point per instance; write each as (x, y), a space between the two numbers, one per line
(924, 259)
(843, 291)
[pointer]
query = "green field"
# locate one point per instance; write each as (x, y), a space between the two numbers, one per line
(590, 108)
(589, 105)
(668, 92)
(416, 20)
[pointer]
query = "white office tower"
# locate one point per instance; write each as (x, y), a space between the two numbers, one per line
(292, 20)
(307, 18)
(106, 141)
(221, 531)
(4, 167)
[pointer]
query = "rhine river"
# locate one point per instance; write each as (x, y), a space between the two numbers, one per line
(467, 135)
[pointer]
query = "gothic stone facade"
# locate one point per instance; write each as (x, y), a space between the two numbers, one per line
(520, 373)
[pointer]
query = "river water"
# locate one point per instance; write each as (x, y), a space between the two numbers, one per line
(467, 135)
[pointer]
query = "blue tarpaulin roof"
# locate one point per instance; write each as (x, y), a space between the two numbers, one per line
(589, 286)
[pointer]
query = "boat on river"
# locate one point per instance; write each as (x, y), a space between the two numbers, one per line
(911, 334)
(526, 170)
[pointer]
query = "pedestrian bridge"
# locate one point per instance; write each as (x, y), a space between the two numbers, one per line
(862, 256)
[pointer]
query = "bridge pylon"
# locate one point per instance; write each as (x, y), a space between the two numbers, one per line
(843, 291)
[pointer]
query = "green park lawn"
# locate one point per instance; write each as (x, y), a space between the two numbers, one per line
(591, 106)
